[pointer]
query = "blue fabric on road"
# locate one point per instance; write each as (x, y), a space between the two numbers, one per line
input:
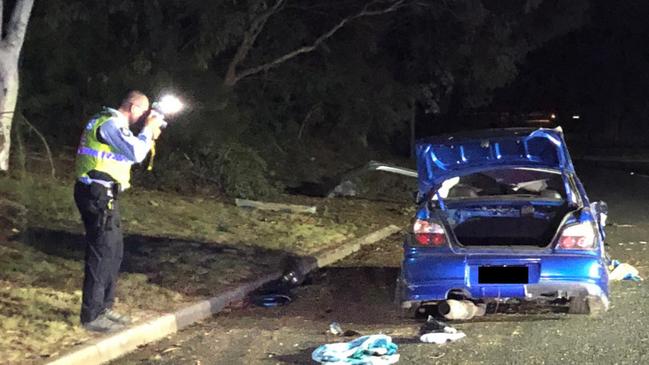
(366, 350)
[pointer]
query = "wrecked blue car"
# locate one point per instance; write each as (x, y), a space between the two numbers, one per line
(502, 216)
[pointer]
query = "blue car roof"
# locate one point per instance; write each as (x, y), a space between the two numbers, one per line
(442, 157)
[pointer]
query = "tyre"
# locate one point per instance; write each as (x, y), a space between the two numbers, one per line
(578, 305)
(408, 312)
(592, 305)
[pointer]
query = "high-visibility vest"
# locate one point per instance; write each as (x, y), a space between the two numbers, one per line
(95, 155)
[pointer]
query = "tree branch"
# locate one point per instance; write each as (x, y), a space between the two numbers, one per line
(249, 38)
(366, 11)
(306, 119)
(47, 146)
(17, 26)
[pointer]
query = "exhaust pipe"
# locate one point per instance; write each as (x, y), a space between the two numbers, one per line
(460, 309)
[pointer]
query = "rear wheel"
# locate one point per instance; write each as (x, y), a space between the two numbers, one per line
(592, 305)
(578, 305)
(406, 310)
(597, 305)
(409, 312)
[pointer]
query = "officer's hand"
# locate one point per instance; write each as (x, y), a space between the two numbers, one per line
(156, 133)
(154, 122)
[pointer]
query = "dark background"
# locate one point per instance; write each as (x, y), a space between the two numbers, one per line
(446, 65)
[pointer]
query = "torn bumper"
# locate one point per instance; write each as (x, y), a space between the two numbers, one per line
(433, 277)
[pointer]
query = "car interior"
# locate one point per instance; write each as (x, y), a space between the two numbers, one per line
(530, 225)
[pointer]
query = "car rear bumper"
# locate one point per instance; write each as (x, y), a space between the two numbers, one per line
(551, 276)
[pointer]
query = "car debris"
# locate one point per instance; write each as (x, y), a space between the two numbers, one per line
(372, 349)
(270, 300)
(432, 325)
(622, 271)
(381, 166)
(441, 338)
(434, 331)
(280, 207)
(622, 225)
(346, 186)
(337, 330)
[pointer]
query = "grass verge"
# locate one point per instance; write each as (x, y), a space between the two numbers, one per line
(178, 249)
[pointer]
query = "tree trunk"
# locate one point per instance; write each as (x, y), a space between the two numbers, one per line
(10, 46)
(8, 97)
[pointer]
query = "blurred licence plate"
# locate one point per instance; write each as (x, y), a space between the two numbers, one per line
(503, 275)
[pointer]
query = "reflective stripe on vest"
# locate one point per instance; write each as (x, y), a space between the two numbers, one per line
(102, 154)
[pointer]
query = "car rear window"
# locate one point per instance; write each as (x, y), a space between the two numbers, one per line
(513, 182)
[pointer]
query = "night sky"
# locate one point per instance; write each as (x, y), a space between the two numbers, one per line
(600, 72)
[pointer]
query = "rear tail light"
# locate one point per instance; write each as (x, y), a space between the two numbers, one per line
(429, 233)
(578, 237)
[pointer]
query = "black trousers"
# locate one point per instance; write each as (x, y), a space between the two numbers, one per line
(104, 247)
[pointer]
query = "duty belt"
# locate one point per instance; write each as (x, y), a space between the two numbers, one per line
(113, 188)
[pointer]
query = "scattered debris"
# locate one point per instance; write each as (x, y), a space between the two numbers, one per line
(432, 325)
(272, 300)
(171, 349)
(380, 166)
(296, 271)
(373, 349)
(434, 331)
(345, 188)
(244, 203)
(441, 338)
(620, 271)
(622, 225)
(335, 329)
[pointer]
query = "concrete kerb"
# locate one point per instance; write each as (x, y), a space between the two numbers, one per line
(113, 346)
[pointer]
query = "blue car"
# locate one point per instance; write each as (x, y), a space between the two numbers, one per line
(502, 216)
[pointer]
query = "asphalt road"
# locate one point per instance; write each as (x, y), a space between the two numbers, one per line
(358, 294)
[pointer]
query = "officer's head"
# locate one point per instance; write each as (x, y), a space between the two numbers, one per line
(134, 106)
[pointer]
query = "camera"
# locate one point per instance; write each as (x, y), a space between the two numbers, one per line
(167, 105)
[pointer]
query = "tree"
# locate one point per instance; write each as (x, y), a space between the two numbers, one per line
(233, 76)
(13, 36)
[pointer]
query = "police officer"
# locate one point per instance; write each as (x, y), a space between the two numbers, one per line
(106, 152)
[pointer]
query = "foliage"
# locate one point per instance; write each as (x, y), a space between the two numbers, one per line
(242, 171)
(233, 169)
(355, 93)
